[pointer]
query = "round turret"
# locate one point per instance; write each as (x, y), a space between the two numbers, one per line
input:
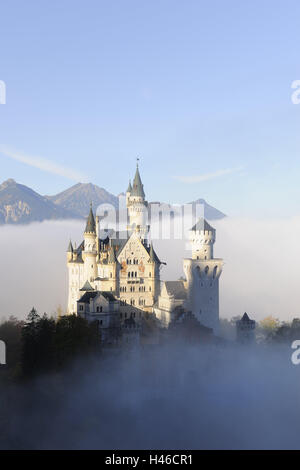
(202, 238)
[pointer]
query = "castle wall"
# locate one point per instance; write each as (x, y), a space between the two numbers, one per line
(203, 290)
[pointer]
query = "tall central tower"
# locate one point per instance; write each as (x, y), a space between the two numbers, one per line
(202, 274)
(137, 206)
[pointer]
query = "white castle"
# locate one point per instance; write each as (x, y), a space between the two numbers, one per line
(114, 277)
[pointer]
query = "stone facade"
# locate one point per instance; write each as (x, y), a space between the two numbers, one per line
(125, 266)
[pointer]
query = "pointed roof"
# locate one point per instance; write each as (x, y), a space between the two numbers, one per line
(245, 317)
(153, 256)
(111, 255)
(202, 225)
(90, 224)
(70, 247)
(129, 189)
(87, 287)
(151, 253)
(137, 187)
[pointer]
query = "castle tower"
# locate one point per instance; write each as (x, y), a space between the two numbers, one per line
(89, 253)
(137, 206)
(245, 330)
(202, 274)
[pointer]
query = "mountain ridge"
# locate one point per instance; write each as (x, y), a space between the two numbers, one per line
(20, 204)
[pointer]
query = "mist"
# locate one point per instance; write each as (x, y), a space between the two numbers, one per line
(260, 273)
(169, 397)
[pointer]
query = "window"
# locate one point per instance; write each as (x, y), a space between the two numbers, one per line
(150, 274)
(81, 307)
(206, 270)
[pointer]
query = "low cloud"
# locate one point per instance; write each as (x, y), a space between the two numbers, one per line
(260, 275)
(43, 164)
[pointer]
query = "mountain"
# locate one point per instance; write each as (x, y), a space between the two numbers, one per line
(209, 212)
(20, 204)
(77, 199)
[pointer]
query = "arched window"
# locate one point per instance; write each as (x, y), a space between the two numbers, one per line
(206, 270)
(215, 271)
(198, 272)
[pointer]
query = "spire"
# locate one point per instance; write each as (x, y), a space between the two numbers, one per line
(153, 256)
(90, 224)
(70, 247)
(137, 187)
(111, 255)
(129, 189)
(151, 253)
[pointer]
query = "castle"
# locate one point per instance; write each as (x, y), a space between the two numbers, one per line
(114, 277)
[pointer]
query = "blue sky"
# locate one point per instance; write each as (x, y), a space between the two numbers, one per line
(200, 91)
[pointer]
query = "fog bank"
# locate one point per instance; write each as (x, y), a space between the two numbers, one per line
(179, 397)
(260, 274)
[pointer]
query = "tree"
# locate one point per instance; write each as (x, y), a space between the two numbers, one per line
(75, 337)
(270, 324)
(29, 343)
(49, 344)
